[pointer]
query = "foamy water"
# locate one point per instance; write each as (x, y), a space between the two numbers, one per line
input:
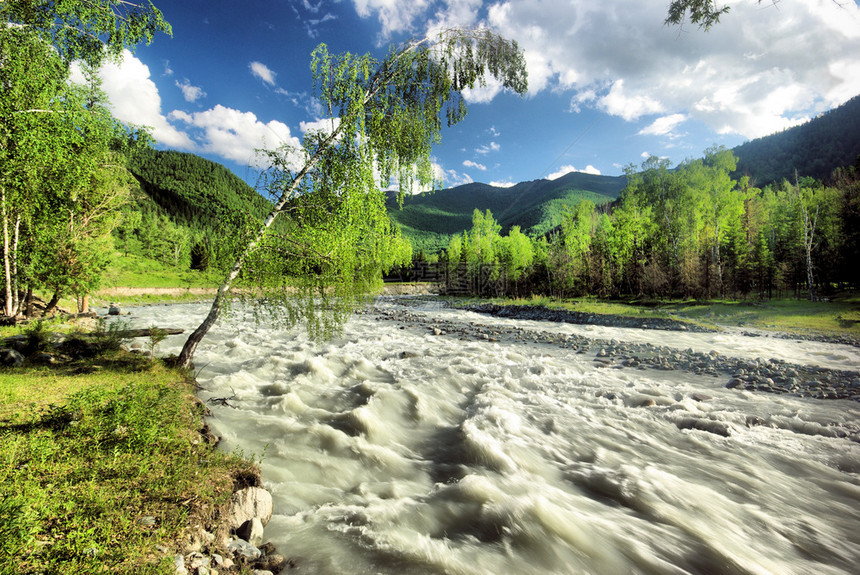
(392, 450)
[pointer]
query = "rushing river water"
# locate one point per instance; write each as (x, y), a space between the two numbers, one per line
(396, 450)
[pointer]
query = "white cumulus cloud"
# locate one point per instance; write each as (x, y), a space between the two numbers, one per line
(189, 92)
(324, 125)
(263, 72)
(236, 135)
(486, 149)
(477, 166)
(393, 15)
(564, 170)
(134, 99)
(764, 67)
(663, 126)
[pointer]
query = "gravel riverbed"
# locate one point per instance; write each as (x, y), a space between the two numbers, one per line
(761, 374)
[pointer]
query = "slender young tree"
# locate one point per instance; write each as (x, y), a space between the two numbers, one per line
(383, 117)
(808, 223)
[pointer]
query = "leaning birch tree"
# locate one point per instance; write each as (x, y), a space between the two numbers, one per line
(328, 236)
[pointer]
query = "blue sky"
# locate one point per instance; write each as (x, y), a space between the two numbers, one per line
(609, 83)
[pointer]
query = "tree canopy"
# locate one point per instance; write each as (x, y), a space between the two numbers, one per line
(383, 117)
(61, 164)
(87, 29)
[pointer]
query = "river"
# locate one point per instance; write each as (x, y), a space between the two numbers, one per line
(400, 448)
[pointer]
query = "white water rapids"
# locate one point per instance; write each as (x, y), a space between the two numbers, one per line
(394, 450)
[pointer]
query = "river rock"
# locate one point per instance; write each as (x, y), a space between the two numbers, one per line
(197, 561)
(222, 561)
(179, 564)
(242, 549)
(248, 503)
(43, 358)
(711, 426)
(251, 531)
(639, 401)
(271, 562)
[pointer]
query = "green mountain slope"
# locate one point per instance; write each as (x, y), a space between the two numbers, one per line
(429, 220)
(193, 190)
(187, 212)
(815, 149)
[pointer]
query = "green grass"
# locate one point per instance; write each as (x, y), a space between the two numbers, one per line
(89, 450)
(104, 299)
(840, 316)
(584, 305)
(835, 317)
(137, 271)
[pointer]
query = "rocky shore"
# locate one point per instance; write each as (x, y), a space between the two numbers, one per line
(758, 375)
(538, 313)
(236, 545)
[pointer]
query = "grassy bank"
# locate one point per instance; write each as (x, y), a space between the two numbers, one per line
(135, 271)
(837, 317)
(103, 467)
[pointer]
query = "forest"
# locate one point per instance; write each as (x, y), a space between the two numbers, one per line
(185, 209)
(813, 149)
(691, 232)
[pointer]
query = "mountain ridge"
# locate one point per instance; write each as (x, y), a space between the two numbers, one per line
(199, 192)
(814, 148)
(431, 218)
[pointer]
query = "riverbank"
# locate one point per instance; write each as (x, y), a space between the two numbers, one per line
(109, 465)
(542, 313)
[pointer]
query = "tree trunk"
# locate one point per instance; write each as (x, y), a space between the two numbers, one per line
(809, 279)
(186, 356)
(7, 303)
(16, 302)
(52, 305)
(808, 239)
(28, 302)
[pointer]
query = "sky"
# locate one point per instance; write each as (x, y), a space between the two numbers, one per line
(609, 83)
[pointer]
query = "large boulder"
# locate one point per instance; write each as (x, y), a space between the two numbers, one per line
(247, 504)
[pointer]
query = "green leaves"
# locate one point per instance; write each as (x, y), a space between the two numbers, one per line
(87, 29)
(705, 13)
(61, 174)
(392, 109)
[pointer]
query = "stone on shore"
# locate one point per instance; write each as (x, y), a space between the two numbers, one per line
(251, 531)
(247, 504)
(243, 549)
